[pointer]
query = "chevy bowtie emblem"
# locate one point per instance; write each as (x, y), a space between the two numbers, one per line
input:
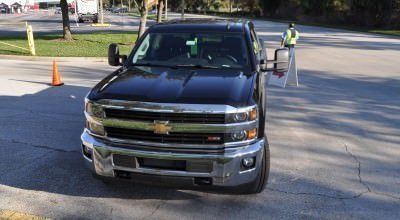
(161, 127)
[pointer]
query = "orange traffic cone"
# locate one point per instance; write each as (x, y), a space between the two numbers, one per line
(56, 76)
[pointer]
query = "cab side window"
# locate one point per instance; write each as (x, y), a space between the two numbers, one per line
(257, 48)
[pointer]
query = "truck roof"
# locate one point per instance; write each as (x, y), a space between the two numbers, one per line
(198, 25)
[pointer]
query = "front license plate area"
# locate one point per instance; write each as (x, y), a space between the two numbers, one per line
(124, 161)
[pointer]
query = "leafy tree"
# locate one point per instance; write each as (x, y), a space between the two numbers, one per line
(271, 7)
(374, 13)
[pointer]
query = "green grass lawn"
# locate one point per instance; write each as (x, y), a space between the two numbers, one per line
(150, 16)
(84, 45)
(387, 32)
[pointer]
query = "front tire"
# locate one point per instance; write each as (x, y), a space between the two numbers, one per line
(262, 178)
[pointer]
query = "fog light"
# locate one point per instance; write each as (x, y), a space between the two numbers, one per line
(248, 162)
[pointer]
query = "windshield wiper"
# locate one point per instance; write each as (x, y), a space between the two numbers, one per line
(197, 66)
(152, 65)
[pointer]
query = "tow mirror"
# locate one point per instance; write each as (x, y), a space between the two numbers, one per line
(280, 63)
(282, 60)
(113, 55)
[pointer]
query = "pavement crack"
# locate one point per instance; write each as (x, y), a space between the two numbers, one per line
(155, 210)
(40, 146)
(360, 179)
(358, 168)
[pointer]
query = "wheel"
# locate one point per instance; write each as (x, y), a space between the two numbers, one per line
(262, 178)
(96, 21)
(80, 21)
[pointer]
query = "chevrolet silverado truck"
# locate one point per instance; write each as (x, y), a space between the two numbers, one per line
(186, 108)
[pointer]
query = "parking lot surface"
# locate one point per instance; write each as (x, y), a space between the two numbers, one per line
(335, 143)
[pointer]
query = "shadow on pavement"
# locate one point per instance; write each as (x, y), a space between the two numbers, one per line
(40, 148)
(335, 117)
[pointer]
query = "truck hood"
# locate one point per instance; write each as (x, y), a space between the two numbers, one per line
(167, 85)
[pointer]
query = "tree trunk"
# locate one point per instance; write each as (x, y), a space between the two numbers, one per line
(143, 18)
(182, 9)
(160, 10)
(65, 20)
(166, 9)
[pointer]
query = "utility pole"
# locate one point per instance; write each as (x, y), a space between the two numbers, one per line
(183, 9)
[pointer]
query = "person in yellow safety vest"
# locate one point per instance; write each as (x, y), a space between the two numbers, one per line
(290, 37)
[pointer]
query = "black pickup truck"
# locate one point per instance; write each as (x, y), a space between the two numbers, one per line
(186, 108)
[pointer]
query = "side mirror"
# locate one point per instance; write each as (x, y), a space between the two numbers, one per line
(280, 63)
(282, 60)
(113, 55)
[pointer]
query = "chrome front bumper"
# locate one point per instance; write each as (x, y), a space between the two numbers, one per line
(227, 169)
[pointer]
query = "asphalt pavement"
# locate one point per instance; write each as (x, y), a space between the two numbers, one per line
(47, 22)
(335, 143)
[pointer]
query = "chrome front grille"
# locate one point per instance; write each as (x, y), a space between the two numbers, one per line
(197, 128)
(177, 138)
(166, 116)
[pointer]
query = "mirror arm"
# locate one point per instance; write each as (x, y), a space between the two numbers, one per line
(273, 70)
(122, 58)
(275, 62)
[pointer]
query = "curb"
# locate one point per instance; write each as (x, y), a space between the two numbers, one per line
(58, 59)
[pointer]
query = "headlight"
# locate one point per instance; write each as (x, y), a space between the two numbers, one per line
(249, 115)
(242, 116)
(239, 136)
(243, 135)
(95, 128)
(94, 110)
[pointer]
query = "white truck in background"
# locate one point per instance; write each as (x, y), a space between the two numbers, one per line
(87, 10)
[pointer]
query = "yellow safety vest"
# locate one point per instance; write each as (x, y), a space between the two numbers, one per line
(292, 35)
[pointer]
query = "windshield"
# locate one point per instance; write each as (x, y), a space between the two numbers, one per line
(208, 50)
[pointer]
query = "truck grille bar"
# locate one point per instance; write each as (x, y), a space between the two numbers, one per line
(178, 138)
(166, 116)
